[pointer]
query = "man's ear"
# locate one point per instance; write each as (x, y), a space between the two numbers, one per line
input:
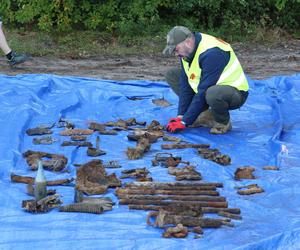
(190, 42)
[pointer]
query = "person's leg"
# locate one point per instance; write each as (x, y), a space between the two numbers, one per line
(172, 78)
(3, 43)
(221, 99)
(12, 57)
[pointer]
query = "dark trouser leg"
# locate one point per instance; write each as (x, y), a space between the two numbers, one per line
(221, 99)
(172, 78)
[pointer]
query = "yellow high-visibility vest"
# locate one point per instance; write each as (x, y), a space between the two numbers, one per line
(232, 75)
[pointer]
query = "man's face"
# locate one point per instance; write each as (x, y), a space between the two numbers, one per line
(183, 49)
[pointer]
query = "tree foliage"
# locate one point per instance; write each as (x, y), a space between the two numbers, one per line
(137, 17)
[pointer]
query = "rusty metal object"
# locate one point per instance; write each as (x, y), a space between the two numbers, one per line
(168, 192)
(112, 164)
(183, 145)
(185, 173)
(125, 123)
(197, 230)
(230, 215)
(77, 143)
(171, 138)
(92, 178)
(218, 204)
(204, 209)
(250, 189)
(172, 197)
(30, 180)
(94, 152)
(45, 140)
(78, 138)
(140, 174)
(244, 173)
(82, 208)
(155, 126)
(161, 102)
(105, 202)
(52, 162)
(70, 132)
(139, 134)
(175, 185)
(108, 132)
(97, 126)
(163, 218)
(38, 131)
(179, 231)
(143, 146)
(42, 206)
(167, 160)
(64, 123)
(215, 156)
(270, 168)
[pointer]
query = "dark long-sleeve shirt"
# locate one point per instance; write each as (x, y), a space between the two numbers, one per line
(212, 63)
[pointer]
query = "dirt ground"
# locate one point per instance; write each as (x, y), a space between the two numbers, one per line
(258, 61)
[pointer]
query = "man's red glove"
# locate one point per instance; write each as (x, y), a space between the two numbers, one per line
(175, 125)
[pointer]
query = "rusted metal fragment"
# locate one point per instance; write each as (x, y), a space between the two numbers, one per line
(143, 146)
(176, 232)
(174, 185)
(172, 197)
(139, 134)
(125, 123)
(94, 152)
(112, 164)
(52, 162)
(64, 123)
(197, 230)
(92, 178)
(270, 168)
(163, 218)
(244, 173)
(185, 173)
(250, 189)
(168, 192)
(215, 156)
(77, 143)
(167, 160)
(155, 126)
(108, 132)
(230, 215)
(219, 204)
(162, 102)
(171, 138)
(183, 145)
(38, 131)
(78, 138)
(204, 209)
(70, 132)
(30, 180)
(45, 140)
(105, 202)
(82, 208)
(42, 206)
(97, 126)
(140, 174)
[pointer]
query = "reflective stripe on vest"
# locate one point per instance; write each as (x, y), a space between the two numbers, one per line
(232, 74)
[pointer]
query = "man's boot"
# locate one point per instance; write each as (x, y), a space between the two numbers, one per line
(220, 128)
(205, 119)
(17, 58)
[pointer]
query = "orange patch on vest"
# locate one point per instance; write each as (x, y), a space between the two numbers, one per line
(192, 76)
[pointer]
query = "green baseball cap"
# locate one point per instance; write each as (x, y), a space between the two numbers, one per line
(175, 36)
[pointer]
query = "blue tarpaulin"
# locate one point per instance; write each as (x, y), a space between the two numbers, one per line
(265, 132)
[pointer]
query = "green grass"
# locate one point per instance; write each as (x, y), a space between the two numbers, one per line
(84, 44)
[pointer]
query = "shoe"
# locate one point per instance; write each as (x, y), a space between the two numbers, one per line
(17, 58)
(220, 128)
(205, 119)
